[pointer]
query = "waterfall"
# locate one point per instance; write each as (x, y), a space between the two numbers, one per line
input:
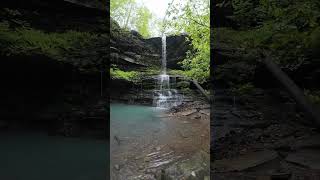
(164, 55)
(164, 96)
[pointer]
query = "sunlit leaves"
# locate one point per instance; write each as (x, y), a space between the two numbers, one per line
(193, 18)
(130, 15)
(142, 21)
(119, 10)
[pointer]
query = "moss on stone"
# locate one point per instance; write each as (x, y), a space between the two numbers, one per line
(28, 41)
(243, 89)
(314, 96)
(183, 85)
(125, 75)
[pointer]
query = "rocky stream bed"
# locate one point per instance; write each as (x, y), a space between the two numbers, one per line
(261, 137)
(177, 147)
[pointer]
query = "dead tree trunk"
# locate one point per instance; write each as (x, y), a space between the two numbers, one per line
(293, 89)
(201, 89)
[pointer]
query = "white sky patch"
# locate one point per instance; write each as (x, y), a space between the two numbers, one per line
(157, 7)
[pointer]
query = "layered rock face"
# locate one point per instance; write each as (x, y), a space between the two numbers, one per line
(251, 111)
(177, 46)
(55, 62)
(53, 67)
(236, 50)
(222, 10)
(132, 50)
(129, 51)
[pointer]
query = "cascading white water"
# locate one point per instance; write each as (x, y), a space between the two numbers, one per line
(165, 97)
(164, 55)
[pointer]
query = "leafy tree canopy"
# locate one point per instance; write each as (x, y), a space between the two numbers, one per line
(193, 18)
(130, 15)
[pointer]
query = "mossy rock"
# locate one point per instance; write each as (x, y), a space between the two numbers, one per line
(314, 96)
(315, 42)
(183, 84)
(244, 89)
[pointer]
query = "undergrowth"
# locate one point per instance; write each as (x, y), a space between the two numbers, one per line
(28, 40)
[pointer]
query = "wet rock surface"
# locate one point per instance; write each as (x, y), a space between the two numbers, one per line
(179, 151)
(177, 46)
(61, 94)
(261, 139)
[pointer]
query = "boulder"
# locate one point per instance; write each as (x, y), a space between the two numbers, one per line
(244, 162)
(308, 158)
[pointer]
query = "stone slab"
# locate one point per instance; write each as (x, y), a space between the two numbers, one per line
(189, 112)
(308, 142)
(309, 158)
(244, 162)
(205, 111)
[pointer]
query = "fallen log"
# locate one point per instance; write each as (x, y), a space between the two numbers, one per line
(292, 88)
(201, 90)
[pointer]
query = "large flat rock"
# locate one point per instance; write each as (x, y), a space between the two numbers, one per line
(189, 112)
(218, 132)
(308, 142)
(205, 111)
(244, 162)
(309, 158)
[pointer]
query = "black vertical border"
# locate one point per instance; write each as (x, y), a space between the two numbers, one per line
(212, 70)
(107, 2)
(106, 70)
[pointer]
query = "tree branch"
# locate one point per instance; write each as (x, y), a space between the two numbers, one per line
(201, 24)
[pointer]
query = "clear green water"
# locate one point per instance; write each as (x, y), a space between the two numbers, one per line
(134, 120)
(138, 128)
(133, 124)
(36, 156)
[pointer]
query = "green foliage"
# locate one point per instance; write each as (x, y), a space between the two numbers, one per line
(117, 4)
(287, 46)
(142, 21)
(283, 27)
(150, 71)
(28, 40)
(135, 76)
(130, 15)
(315, 42)
(10, 12)
(116, 73)
(176, 72)
(193, 17)
(314, 96)
(116, 31)
(302, 14)
(243, 89)
(183, 84)
(288, 29)
(244, 12)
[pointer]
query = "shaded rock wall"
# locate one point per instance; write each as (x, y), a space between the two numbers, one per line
(64, 93)
(222, 10)
(238, 26)
(129, 50)
(177, 46)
